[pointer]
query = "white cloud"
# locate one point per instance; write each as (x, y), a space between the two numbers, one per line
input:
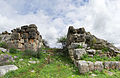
(100, 17)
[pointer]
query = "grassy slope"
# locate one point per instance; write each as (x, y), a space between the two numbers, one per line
(59, 67)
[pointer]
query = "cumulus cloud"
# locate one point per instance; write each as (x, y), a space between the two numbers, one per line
(100, 17)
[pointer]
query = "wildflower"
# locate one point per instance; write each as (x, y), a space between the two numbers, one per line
(15, 57)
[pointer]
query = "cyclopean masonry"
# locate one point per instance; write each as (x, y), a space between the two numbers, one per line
(80, 42)
(26, 37)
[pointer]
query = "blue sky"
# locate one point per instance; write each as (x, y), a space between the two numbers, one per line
(53, 17)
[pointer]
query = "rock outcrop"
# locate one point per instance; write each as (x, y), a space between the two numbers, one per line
(26, 37)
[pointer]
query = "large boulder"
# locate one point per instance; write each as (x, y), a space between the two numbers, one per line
(98, 66)
(7, 68)
(3, 50)
(83, 67)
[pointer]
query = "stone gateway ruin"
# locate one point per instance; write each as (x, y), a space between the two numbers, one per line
(78, 43)
(26, 37)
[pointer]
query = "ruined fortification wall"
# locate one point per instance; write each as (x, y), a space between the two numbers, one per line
(26, 37)
(80, 42)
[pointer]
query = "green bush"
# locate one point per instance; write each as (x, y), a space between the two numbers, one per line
(3, 45)
(63, 40)
(13, 50)
(31, 53)
(0, 38)
(105, 49)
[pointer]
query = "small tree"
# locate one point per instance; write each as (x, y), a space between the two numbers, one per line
(62, 40)
(45, 43)
(4, 45)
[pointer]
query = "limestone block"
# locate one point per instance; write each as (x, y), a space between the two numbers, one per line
(107, 65)
(91, 51)
(118, 65)
(25, 40)
(76, 45)
(71, 52)
(91, 66)
(76, 63)
(83, 67)
(78, 53)
(7, 68)
(32, 26)
(20, 45)
(98, 65)
(113, 65)
(16, 36)
(32, 35)
(21, 40)
(24, 27)
(25, 35)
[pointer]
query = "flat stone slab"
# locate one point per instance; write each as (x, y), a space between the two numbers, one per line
(7, 68)
(3, 50)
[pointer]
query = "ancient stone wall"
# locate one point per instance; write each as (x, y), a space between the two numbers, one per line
(86, 66)
(80, 42)
(79, 37)
(26, 37)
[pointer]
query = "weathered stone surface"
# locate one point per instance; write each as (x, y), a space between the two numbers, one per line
(5, 37)
(118, 65)
(91, 51)
(3, 50)
(83, 67)
(71, 52)
(76, 62)
(26, 37)
(91, 66)
(76, 45)
(113, 65)
(81, 36)
(98, 65)
(107, 65)
(78, 53)
(7, 68)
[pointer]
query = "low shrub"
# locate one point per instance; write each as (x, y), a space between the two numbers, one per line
(3, 45)
(0, 38)
(13, 50)
(31, 53)
(105, 49)
(5, 59)
(99, 58)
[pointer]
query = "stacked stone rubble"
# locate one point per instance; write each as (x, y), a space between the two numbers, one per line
(26, 37)
(79, 37)
(80, 42)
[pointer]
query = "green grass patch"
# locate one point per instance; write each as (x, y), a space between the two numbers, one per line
(99, 58)
(60, 66)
